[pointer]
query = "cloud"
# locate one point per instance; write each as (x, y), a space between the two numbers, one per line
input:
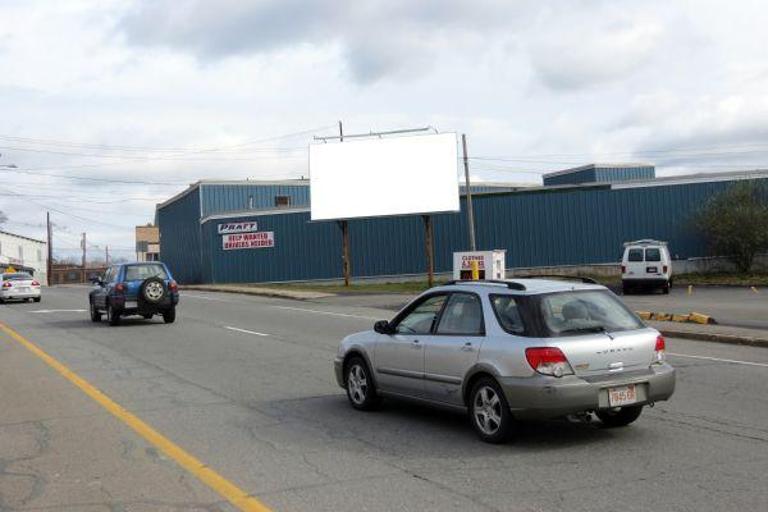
(376, 38)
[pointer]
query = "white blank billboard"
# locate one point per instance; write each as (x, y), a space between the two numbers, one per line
(389, 176)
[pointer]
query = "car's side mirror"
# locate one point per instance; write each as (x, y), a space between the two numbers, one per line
(383, 327)
(97, 281)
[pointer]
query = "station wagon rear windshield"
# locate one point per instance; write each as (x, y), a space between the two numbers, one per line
(16, 277)
(583, 312)
(141, 272)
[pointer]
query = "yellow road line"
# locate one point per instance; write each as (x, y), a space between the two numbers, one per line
(208, 476)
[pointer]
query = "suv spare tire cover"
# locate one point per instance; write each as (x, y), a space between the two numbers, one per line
(152, 290)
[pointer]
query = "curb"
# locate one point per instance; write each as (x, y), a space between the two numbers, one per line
(260, 292)
(718, 338)
(691, 318)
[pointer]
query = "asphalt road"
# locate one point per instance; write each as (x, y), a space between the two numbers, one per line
(245, 385)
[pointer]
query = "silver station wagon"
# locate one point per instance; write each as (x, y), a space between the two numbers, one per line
(511, 350)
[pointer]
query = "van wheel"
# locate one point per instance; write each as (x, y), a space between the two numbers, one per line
(625, 289)
(665, 289)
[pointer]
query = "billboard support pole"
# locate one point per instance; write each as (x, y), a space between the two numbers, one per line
(428, 247)
(344, 225)
(49, 263)
(468, 192)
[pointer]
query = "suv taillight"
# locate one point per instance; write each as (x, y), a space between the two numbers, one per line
(120, 287)
(548, 361)
(659, 349)
(173, 286)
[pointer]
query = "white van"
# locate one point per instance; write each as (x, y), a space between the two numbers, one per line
(646, 264)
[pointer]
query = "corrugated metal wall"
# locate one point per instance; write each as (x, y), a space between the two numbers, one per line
(242, 196)
(537, 228)
(180, 248)
(602, 174)
(619, 174)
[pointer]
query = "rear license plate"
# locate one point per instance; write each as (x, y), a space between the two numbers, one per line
(623, 395)
(652, 270)
(131, 304)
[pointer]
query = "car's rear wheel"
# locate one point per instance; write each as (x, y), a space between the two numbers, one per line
(113, 317)
(95, 313)
(169, 315)
(37, 299)
(619, 417)
(361, 390)
(489, 411)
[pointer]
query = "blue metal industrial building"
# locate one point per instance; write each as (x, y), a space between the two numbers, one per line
(538, 226)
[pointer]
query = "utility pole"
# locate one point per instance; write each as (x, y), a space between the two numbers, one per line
(83, 242)
(344, 225)
(470, 211)
(49, 263)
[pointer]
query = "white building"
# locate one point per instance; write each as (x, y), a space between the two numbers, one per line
(24, 254)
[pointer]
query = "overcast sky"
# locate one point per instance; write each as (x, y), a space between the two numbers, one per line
(108, 107)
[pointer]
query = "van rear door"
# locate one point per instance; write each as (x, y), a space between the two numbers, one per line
(634, 263)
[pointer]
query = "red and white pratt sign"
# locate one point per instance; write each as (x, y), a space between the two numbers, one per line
(248, 240)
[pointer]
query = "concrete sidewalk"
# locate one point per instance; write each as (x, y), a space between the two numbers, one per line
(257, 290)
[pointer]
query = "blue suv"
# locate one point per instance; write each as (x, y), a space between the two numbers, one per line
(144, 289)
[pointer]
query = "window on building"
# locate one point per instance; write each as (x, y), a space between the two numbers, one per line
(282, 201)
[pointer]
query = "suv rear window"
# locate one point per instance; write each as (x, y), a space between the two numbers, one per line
(652, 255)
(142, 272)
(582, 312)
(635, 255)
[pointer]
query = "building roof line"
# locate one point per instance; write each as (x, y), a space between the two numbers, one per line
(630, 165)
(22, 236)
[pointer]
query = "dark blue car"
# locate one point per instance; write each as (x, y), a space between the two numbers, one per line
(144, 289)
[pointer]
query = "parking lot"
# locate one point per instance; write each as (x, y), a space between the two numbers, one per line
(245, 385)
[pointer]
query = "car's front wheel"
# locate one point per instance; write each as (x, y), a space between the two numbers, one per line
(489, 411)
(619, 417)
(113, 317)
(169, 315)
(361, 390)
(95, 314)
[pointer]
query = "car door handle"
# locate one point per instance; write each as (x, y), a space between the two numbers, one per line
(416, 344)
(467, 347)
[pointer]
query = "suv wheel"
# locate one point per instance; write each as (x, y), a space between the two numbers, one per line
(619, 417)
(360, 388)
(95, 314)
(489, 411)
(169, 315)
(112, 316)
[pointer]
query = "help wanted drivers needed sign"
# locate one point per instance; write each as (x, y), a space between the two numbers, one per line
(256, 240)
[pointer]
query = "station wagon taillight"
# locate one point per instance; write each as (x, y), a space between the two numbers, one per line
(35, 284)
(7, 284)
(659, 349)
(548, 361)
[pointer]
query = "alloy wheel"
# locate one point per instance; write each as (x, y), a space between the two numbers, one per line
(487, 410)
(357, 383)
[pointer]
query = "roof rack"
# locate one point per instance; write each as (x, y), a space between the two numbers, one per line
(586, 280)
(509, 284)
